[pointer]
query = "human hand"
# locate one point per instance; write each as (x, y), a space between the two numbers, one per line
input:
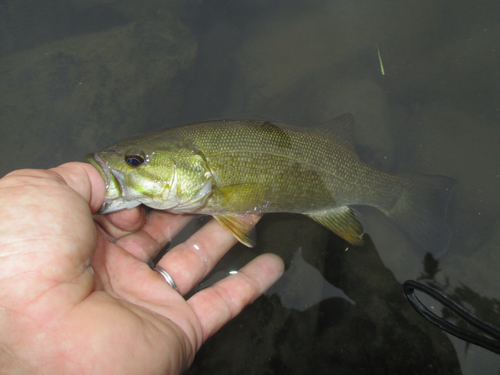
(77, 297)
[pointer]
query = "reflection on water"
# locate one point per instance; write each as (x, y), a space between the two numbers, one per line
(486, 309)
(77, 75)
(378, 334)
(300, 272)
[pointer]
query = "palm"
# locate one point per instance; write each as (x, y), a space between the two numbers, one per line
(117, 316)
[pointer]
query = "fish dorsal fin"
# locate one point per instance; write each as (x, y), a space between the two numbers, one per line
(340, 129)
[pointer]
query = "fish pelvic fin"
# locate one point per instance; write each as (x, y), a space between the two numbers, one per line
(241, 226)
(343, 222)
(421, 212)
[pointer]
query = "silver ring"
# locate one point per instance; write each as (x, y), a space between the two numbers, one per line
(166, 276)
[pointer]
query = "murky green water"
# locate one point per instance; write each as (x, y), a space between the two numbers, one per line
(77, 75)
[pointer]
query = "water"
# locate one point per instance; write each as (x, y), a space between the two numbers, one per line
(76, 76)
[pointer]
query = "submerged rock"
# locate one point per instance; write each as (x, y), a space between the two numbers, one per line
(80, 92)
(372, 331)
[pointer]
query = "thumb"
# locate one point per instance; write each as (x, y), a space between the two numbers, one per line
(85, 180)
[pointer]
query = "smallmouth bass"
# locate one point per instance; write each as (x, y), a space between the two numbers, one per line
(232, 168)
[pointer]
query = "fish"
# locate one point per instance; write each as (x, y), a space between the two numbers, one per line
(234, 168)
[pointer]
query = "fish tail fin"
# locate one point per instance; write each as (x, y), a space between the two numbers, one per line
(421, 212)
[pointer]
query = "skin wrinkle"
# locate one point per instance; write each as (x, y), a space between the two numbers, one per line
(43, 238)
(252, 282)
(103, 225)
(109, 286)
(13, 253)
(182, 252)
(51, 289)
(101, 274)
(18, 360)
(46, 325)
(9, 310)
(28, 206)
(138, 242)
(84, 266)
(13, 180)
(224, 295)
(140, 308)
(144, 230)
(103, 231)
(36, 188)
(187, 248)
(57, 283)
(61, 352)
(22, 178)
(104, 322)
(124, 248)
(83, 185)
(115, 291)
(124, 282)
(142, 251)
(167, 230)
(75, 182)
(207, 321)
(183, 339)
(104, 284)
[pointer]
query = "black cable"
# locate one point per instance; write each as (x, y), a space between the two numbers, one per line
(493, 345)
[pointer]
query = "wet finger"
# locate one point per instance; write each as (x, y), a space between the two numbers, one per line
(218, 304)
(189, 262)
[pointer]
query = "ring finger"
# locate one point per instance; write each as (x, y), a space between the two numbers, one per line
(188, 263)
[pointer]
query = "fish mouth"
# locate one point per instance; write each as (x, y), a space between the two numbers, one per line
(114, 189)
(103, 169)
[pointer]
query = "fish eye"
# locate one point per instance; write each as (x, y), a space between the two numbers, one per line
(134, 160)
(134, 157)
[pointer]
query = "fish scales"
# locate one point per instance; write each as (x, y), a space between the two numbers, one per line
(311, 171)
(250, 167)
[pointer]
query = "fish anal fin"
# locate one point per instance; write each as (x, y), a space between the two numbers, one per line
(241, 226)
(343, 222)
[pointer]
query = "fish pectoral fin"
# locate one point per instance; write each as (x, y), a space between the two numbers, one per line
(241, 226)
(343, 222)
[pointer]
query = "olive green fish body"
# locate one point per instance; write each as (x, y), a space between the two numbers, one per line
(290, 170)
(227, 168)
